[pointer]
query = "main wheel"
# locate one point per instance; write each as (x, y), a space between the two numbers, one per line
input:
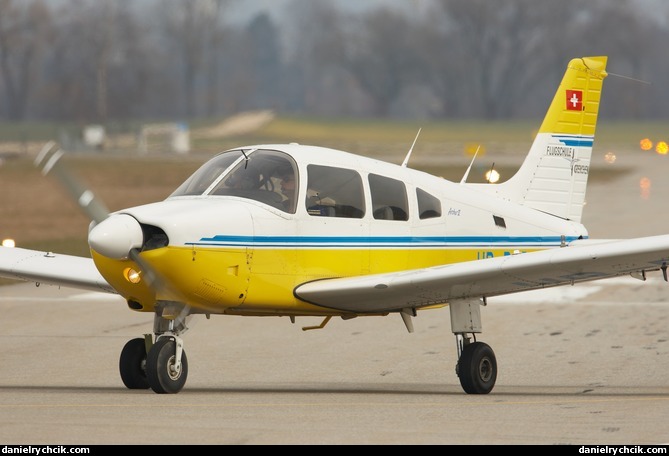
(477, 368)
(161, 371)
(132, 364)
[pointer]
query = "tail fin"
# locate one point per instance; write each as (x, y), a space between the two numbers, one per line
(554, 175)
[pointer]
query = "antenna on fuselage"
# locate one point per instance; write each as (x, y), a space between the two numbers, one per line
(406, 160)
(464, 178)
(489, 177)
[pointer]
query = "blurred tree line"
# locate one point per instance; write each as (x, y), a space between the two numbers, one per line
(102, 61)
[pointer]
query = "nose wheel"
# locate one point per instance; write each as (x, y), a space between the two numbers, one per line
(164, 368)
(167, 366)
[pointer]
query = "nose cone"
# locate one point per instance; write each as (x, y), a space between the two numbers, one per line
(115, 236)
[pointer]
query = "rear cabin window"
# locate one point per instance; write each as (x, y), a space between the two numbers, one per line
(389, 198)
(334, 192)
(428, 206)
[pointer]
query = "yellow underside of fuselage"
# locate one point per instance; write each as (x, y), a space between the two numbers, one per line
(260, 281)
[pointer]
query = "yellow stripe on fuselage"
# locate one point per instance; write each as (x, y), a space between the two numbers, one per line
(260, 281)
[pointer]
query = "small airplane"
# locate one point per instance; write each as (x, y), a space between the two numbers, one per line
(295, 230)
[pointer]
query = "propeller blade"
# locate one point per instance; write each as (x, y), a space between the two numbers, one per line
(117, 237)
(48, 161)
(150, 276)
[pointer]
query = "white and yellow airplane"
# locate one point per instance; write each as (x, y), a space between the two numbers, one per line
(295, 230)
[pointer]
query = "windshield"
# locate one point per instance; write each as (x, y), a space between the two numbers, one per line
(266, 176)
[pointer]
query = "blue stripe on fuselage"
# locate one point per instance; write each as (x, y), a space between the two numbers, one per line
(375, 242)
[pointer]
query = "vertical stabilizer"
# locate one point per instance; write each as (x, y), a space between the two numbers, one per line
(554, 175)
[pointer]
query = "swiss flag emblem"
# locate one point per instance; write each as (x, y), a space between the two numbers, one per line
(574, 100)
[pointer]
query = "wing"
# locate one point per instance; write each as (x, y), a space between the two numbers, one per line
(581, 261)
(45, 267)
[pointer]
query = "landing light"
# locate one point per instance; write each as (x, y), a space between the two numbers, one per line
(131, 275)
(8, 243)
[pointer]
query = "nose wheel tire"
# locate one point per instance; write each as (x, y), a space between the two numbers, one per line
(132, 364)
(477, 368)
(162, 373)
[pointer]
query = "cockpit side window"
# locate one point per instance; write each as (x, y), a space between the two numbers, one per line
(334, 192)
(389, 198)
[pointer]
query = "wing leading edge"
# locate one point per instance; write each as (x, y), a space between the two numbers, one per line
(53, 269)
(581, 261)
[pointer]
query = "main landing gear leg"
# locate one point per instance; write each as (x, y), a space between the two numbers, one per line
(477, 365)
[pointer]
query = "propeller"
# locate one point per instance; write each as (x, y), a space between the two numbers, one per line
(117, 236)
(48, 160)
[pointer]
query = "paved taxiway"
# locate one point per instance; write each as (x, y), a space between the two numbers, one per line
(579, 365)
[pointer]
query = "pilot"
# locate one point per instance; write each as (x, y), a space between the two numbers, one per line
(288, 188)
